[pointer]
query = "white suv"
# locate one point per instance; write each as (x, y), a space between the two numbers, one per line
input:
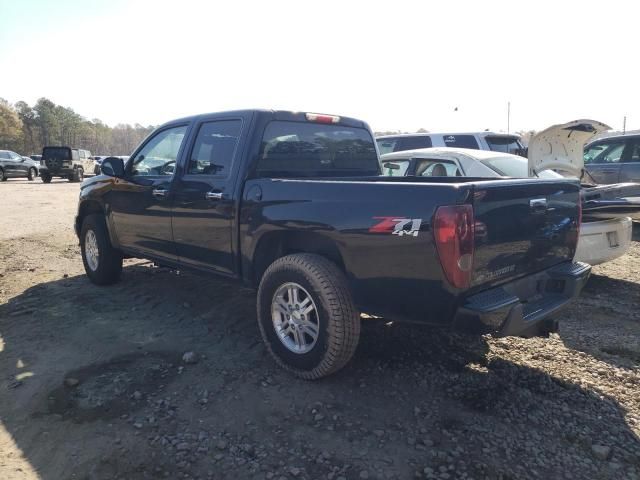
(497, 142)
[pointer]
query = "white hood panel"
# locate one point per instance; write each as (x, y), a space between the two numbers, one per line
(560, 147)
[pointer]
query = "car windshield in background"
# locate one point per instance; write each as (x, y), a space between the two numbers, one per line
(504, 144)
(460, 141)
(57, 153)
(515, 167)
(395, 168)
(293, 149)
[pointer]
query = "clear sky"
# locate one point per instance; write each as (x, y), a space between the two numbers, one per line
(396, 64)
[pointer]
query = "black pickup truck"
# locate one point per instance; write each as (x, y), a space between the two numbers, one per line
(294, 204)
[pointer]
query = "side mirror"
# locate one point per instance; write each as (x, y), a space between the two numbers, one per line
(112, 167)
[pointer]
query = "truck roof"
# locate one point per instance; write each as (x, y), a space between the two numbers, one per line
(276, 114)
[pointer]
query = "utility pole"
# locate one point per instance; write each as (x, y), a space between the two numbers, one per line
(508, 117)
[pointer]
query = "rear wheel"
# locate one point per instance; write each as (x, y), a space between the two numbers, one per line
(78, 175)
(306, 315)
(102, 262)
(33, 173)
(46, 178)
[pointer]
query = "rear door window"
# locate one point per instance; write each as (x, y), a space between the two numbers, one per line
(504, 144)
(215, 148)
(635, 151)
(400, 144)
(460, 141)
(298, 149)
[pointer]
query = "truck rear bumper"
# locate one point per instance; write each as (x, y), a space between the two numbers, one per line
(523, 307)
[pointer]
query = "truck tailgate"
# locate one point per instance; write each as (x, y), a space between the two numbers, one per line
(522, 228)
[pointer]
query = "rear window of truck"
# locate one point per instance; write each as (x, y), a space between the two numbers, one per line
(297, 149)
(504, 144)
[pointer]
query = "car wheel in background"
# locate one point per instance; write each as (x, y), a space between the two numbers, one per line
(102, 262)
(46, 178)
(3, 177)
(33, 173)
(78, 175)
(306, 315)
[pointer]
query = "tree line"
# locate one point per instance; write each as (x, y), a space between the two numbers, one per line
(26, 129)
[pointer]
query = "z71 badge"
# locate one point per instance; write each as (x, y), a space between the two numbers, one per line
(397, 226)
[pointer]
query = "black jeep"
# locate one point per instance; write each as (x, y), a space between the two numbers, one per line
(65, 162)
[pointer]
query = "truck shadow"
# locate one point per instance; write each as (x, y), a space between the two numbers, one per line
(83, 365)
(605, 322)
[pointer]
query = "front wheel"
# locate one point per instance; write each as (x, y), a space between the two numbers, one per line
(306, 315)
(33, 173)
(102, 262)
(46, 178)
(3, 176)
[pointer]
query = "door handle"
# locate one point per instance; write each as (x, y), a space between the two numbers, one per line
(214, 195)
(159, 192)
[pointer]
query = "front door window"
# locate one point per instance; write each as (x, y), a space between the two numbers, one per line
(158, 157)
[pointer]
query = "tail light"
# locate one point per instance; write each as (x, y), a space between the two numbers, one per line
(453, 231)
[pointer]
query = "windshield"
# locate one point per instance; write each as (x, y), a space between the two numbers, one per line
(515, 167)
(395, 172)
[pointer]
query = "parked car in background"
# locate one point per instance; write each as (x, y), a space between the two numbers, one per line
(601, 240)
(614, 159)
(65, 162)
(497, 142)
(293, 203)
(562, 148)
(13, 165)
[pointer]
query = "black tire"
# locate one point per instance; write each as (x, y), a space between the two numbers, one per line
(78, 175)
(338, 319)
(46, 178)
(109, 264)
(33, 173)
(3, 177)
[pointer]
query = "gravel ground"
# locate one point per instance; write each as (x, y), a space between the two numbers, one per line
(164, 376)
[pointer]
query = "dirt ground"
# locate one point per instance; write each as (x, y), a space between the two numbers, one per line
(93, 384)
